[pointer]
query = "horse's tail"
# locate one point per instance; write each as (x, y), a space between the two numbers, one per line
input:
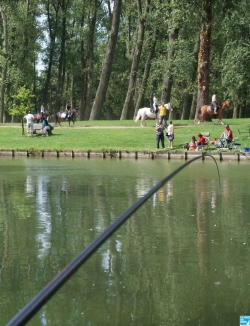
(138, 116)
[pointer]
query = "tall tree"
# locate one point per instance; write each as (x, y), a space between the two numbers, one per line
(188, 96)
(127, 110)
(51, 13)
(61, 61)
(204, 54)
(107, 65)
(146, 73)
(4, 59)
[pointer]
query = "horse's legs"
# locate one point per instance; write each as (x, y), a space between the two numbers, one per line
(219, 116)
(142, 122)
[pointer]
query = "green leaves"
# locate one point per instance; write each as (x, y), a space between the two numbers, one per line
(23, 102)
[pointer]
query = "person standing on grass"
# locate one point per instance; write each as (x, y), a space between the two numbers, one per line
(163, 114)
(170, 134)
(30, 122)
(159, 134)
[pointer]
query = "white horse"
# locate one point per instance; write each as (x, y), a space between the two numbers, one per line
(145, 113)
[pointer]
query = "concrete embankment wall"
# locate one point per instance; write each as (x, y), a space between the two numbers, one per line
(124, 154)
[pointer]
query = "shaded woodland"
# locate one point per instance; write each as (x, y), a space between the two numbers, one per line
(108, 57)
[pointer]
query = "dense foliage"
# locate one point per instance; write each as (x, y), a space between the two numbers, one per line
(108, 57)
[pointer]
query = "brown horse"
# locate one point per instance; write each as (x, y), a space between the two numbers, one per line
(60, 116)
(205, 111)
(38, 116)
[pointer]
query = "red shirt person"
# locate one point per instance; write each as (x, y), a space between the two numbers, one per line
(201, 140)
(227, 134)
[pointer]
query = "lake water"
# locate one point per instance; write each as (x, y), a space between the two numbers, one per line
(181, 259)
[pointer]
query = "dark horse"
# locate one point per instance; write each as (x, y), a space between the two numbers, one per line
(60, 116)
(38, 116)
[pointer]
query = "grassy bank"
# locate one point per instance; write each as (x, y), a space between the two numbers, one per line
(114, 135)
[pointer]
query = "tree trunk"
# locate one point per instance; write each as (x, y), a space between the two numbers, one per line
(92, 25)
(61, 65)
(194, 105)
(52, 35)
(168, 78)
(188, 97)
(4, 65)
(107, 65)
(146, 74)
(128, 104)
(24, 50)
(204, 55)
(25, 38)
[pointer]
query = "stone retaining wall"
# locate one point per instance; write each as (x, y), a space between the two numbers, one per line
(125, 154)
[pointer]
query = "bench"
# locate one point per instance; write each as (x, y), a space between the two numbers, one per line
(243, 132)
(36, 126)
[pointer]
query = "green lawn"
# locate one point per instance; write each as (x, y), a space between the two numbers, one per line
(107, 136)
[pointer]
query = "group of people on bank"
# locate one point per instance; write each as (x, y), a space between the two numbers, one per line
(161, 125)
(46, 128)
(195, 144)
(160, 137)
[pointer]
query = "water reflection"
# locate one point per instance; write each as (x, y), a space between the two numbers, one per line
(181, 260)
(43, 214)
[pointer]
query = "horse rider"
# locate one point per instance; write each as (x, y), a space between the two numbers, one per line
(67, 110)
(215, 103)
(42, 109)
(155, 104)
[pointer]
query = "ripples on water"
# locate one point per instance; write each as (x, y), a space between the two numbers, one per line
(182, 259)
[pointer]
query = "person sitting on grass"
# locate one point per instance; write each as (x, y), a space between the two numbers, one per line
(193, 144)
(227, 136)
(201, 140)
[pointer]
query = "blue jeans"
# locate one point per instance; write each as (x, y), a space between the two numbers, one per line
(45, 130)
(160, 138)
(164, 118)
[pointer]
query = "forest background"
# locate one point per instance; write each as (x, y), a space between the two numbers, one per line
(108, 57)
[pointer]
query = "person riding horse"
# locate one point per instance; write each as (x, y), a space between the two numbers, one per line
(215, 103)
(155, 104)
(67, 110)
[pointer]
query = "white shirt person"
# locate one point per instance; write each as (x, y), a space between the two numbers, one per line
(30, 122)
